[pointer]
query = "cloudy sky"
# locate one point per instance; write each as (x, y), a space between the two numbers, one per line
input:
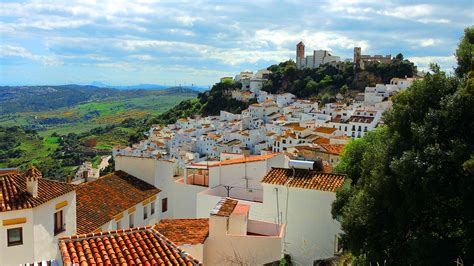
(195, 42)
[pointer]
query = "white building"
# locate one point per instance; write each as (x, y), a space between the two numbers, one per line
(227, 237)
(35, 212)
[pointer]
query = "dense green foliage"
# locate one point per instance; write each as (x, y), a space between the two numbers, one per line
(465, 52)
(219, 98)
(412, 191)
(58, 156)
(208, 103)
(307, 82)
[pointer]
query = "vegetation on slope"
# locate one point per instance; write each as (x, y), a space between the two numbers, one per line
(328, 80)
(20, 99)
(411, 197)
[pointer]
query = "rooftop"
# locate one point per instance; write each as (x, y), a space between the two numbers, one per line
(142, 245)
(224, 207)
(14, 195)
(306, 179)
(99, 201)
(184, 231)
(248, 159)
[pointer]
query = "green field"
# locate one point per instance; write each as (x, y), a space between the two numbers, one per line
(85, 116)
(43, 139)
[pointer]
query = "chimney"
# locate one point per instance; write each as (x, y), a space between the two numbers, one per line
(32, 176)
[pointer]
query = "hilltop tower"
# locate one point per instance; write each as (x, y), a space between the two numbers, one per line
(299, 54)
(357, 53)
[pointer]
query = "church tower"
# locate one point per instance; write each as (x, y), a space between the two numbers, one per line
(299, 54)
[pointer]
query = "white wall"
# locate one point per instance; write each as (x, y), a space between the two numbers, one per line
(310, 230)
(39, 241)
(137, 217)
(227, 249)
(184, 200)
(143, 168)
(45, 241)
(197, 251)
(15, 255)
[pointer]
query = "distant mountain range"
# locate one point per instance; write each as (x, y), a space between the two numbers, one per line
(146, 86)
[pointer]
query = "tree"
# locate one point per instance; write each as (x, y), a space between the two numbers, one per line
(344, 89)
(411, 197)
(465, 53)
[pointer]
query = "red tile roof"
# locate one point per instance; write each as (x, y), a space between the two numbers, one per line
(143, 246)
(184, 231)
(304, 179)
(335, 149)
(14, 195)
(99, 201)
(224, 207)
(325, 130)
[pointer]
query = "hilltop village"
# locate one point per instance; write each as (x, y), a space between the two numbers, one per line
(250, 188)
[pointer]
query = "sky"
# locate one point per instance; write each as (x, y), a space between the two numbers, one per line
(197, 42)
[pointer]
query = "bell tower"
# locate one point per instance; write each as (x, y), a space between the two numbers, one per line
(299, 54)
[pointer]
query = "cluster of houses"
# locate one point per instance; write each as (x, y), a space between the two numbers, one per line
(274, 123)
(240, 210)
(216, 190)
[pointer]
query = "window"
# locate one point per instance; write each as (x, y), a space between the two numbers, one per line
(59, 225)
(164, 205)
(337, 245)
(119, 224)
(131, 221)
(145, 212)
(152, 207)
(15, 236)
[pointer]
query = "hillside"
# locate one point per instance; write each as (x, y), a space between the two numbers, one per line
(16, 99)
(328, 80)
(56, 124)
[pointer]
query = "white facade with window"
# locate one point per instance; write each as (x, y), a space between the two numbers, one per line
(37, 240)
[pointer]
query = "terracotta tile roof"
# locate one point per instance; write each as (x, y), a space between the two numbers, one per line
(304, 179)
(325, 130)
(99, 201)
(295, 126)
(4, 171)
(333, 148)
(184, 231)
(224, 207)
(142, 245)
(321, 141)
(14, 195)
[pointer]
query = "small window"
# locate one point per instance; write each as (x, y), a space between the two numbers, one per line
(338, 245)
(119, 224)
(145, 212)
(152, 207)
(59, 225)
(131, 221)
(164, 205)
(15, 236)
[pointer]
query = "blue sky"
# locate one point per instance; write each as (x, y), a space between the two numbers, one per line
(197, 42)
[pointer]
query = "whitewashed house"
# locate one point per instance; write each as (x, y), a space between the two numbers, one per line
(34, 213)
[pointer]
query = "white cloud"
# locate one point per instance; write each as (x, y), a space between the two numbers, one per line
(187, 20)
(429, 42)
(446, 63)
(326, 40)
(142, 57)
(18, 51)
